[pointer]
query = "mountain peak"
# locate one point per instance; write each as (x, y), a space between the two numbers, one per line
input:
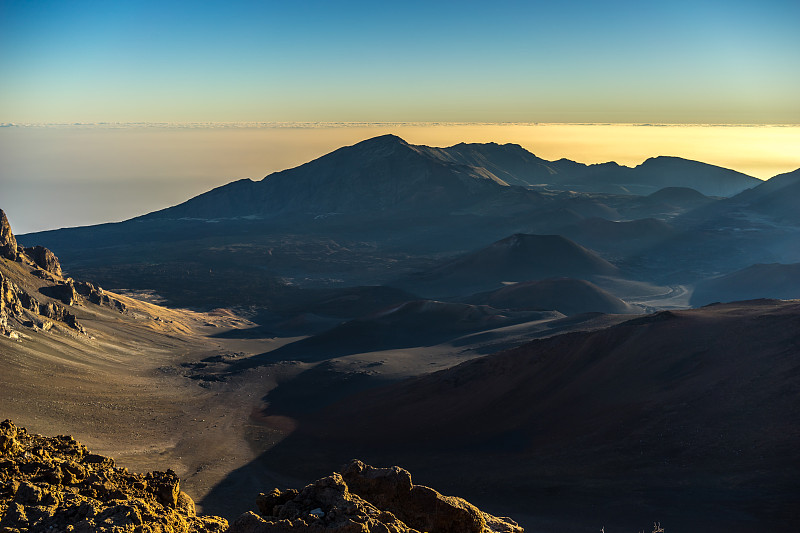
(389, 139)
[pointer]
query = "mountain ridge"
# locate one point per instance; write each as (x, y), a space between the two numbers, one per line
(386, 172)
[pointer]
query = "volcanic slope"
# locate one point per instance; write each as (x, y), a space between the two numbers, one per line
(382, 173)
(410, 324)
(520, 257)
(565, 295)
(170, 388)
(124, 375)
(773, 280)
(687, 416)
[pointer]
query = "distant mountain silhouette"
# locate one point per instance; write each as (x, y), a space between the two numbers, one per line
(778, 197)
(710, 180)
(386, 208)
(656, 173)
(517, 166)
(565, 295)
(509, 162)
(382, 173)
(386, 173)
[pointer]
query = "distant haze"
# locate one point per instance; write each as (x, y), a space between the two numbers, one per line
(67, 175)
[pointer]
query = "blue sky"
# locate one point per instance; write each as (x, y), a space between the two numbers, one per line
(573, 61)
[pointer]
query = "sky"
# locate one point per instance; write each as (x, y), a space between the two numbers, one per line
(114, 109)
(696, 61)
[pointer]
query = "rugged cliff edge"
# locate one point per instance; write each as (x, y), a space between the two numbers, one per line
(21, 306)
(54, 484)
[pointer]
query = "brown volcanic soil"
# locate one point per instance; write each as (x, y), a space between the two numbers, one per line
(134, 387)
(160, 388)
(688, 417)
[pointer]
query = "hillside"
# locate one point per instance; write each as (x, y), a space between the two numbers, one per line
(681, 415)
(565, 295)
(758, 225)
(520, 257)
(757, 281)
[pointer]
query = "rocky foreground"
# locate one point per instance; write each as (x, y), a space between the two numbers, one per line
(54, 484)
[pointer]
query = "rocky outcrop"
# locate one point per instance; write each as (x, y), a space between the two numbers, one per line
(97, 295)
(65, 292)
(8, 243)
(10, 305)
(17, 304)
(56, 484)
(14, 302)
(45, 259)
(325, 506)
(366, 499)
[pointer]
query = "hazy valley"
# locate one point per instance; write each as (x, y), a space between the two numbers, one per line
(525, 333)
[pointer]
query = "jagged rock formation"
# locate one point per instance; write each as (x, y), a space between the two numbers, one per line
(45, 259)
(56, 484)
(97, 295)
(17, 303)
(8, 243)
(10, 305)
(64, 291)
(367, 499)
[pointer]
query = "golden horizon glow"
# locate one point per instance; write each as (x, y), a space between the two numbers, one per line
(111, 172)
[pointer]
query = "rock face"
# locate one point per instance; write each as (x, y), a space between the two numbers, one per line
(97, 295)
(56, 484)
(10, 305)
(367, 499)
(64, 291)
(45, 259)
(17, 304)
(8, 243)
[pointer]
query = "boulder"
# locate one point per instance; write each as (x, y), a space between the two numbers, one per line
(365, 499)
(325, 506)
